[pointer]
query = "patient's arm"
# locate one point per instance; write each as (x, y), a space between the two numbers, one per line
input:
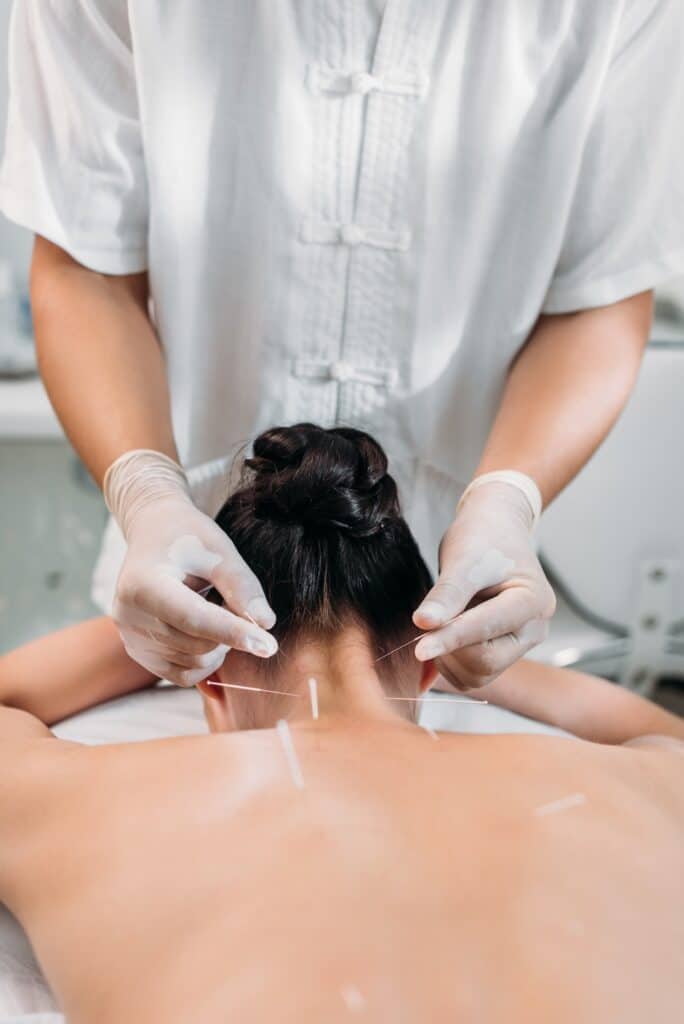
(590, 708)
(56, 676)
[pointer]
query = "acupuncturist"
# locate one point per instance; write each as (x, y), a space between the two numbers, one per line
(437, 220)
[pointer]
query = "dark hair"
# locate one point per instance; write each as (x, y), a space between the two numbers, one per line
(316, 516)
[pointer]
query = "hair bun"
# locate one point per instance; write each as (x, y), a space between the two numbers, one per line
(322, 479)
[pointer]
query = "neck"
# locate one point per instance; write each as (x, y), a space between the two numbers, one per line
(347, 682)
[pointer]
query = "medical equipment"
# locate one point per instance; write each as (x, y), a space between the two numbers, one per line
(285, 737)
(313, 694)
(563, 804)
(256, 689)
(620, 579)
(353, 999)
(415, 640)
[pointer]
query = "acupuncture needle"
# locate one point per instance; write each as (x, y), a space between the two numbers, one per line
(313, 694)
(291, 693)
(313, 689)
(205, 591)
(285, 737)
(415, 639)
(256, 689)
(279, 649)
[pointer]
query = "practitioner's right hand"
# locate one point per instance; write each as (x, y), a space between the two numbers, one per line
(173, 550)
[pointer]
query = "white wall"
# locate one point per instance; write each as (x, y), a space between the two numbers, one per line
(15, 244)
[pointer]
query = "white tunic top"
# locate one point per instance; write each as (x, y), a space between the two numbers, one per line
(352, 211)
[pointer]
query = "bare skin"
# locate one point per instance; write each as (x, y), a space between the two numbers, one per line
(100, 358)
(411, 879)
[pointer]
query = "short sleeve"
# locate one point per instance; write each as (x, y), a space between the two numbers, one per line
(73, 168)
(625, 232)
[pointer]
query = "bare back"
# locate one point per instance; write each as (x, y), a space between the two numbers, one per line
(411, 879)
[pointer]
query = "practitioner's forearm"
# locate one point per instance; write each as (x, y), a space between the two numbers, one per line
(588, 707)
(68, 671)
(99, 358)
(566, 389)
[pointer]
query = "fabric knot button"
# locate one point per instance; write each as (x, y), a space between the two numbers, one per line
(341, 372)
(362, 82)
(351, 234)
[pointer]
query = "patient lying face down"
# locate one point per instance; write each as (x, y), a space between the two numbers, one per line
(345, 863)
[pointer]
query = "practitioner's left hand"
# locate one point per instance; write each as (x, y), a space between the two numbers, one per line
(491, 581)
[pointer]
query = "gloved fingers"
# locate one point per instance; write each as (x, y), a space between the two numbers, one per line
(241, 590)
(209, 662)
(449, 596)
(148, 628)
(464, 575)
(190, 675)
(183, 676)
(167, 637)
(493, 657)
(162, 662)
(472, 667)
(506, 612)
(132, 618)
(170, 601)
(182, 643)
(210, 555)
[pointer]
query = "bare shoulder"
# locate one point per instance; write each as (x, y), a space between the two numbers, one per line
(27, 763)
(671, 744)
(33, 770)
(661, 756)
(660, 769)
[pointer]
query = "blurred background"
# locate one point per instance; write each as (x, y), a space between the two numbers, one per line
(613, 543)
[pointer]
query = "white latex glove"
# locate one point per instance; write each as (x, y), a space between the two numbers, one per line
(165, 625)
(491, 584)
